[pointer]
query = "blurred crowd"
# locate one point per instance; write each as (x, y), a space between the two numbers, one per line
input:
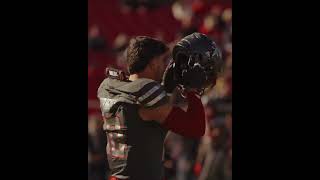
(207, 159)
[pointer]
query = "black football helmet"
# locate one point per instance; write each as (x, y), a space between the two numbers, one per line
(197, 61)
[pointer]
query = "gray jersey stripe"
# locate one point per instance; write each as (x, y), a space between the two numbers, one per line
(122, 177)
(152, 96)
(155, 100)
(152, 90)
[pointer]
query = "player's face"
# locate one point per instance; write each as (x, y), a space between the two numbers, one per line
(160, 65)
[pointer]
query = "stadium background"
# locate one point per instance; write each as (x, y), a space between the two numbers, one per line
(111, 23)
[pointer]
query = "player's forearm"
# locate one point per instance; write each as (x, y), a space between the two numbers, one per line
(189, 124)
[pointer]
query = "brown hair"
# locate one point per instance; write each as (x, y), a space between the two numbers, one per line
(141, 50)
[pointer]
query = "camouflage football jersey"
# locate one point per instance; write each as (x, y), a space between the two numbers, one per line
(134, 147)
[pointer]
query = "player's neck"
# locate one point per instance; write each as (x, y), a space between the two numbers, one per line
(134, 77)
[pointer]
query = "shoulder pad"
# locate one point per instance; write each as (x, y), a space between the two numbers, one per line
(150, 93)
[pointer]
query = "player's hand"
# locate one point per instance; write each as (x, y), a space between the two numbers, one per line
(186, 91)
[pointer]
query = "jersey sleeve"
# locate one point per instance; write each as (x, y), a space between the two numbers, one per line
(152, 95)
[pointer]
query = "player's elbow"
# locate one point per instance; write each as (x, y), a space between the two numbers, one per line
(189, 125)
(196, 131)
(200, 132)
(195, 135)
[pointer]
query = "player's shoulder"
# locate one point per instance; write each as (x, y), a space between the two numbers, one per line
(111, 85)
(143, 85)
(151, 93)
(147, 92)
